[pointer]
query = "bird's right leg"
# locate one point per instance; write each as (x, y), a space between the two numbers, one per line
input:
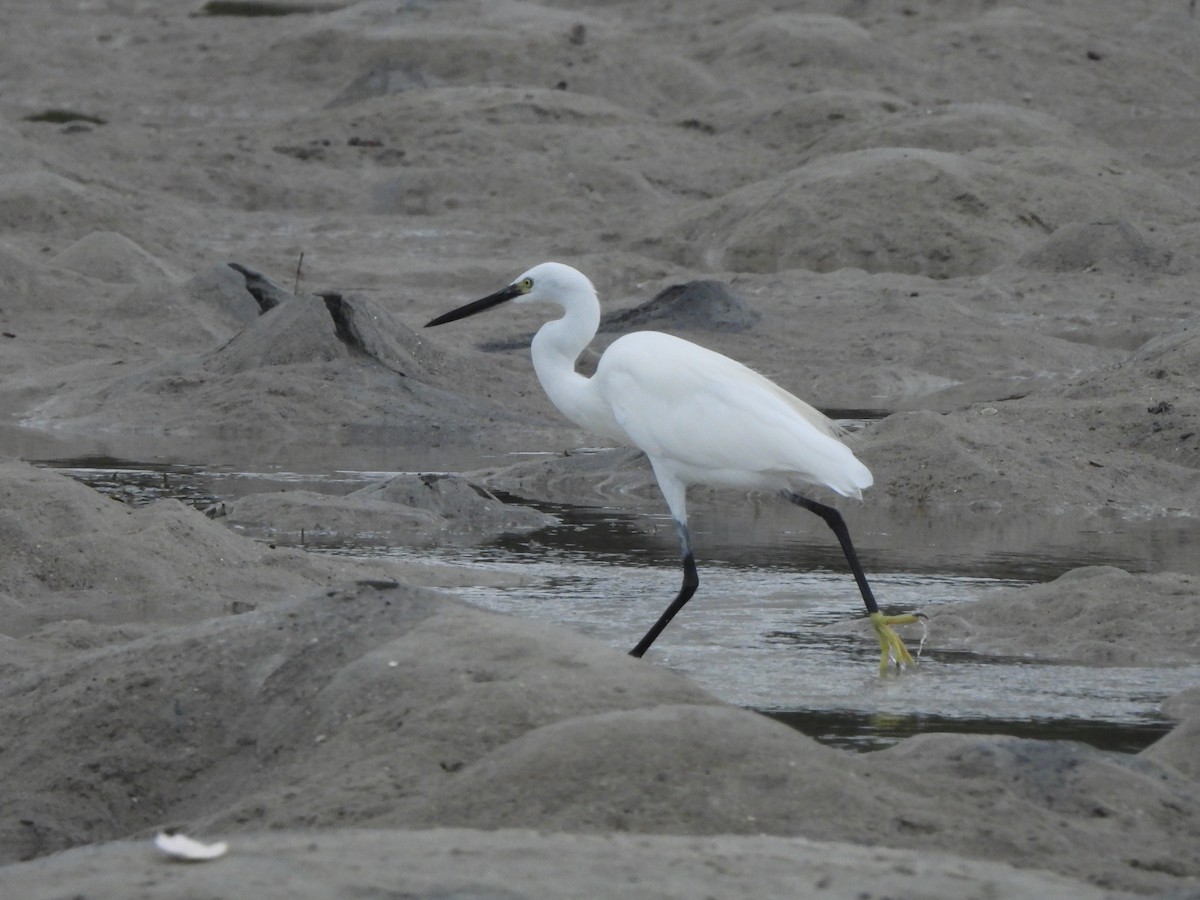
(891, 645)
(691, 581)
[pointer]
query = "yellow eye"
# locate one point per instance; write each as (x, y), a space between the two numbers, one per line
(527, 284)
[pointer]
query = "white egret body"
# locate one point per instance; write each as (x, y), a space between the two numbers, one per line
(700, 418)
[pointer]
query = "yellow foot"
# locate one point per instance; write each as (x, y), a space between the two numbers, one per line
(890, 644)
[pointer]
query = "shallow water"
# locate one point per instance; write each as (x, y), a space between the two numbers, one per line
(761, 637)
(766, 630)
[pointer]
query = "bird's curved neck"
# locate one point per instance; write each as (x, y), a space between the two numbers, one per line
(565, 338)
(555, 350)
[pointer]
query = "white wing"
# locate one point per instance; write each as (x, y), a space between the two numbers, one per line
(718, 422)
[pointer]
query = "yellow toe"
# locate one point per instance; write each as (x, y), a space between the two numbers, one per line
(891, 647)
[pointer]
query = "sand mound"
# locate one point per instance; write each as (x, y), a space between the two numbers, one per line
(1021, 55)
(345, 361)
(511, 43)
(112, 257)
(952, 128)
(1096, 615)
(992, 458)
(1104, 246)
(909, 210)
(384, 704)
(69, 552)
(407, 509)
(350, 671)
(1178, 748)
(1132, 433)
(446, 862)
(43, 202)
(811, 50)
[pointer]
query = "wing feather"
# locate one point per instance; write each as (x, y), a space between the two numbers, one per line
(720, 420)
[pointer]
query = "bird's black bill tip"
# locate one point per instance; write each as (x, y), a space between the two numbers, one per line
(477, 306)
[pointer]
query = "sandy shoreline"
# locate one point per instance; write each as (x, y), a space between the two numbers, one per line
(976, 222)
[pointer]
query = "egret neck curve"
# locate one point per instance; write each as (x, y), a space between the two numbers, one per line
(555, 351)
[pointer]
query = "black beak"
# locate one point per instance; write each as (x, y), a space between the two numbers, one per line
(478, 306)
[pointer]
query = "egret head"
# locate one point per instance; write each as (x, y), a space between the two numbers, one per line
(552, 281)
(547, 281)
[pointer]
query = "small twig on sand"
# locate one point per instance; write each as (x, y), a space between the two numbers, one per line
(299, 263)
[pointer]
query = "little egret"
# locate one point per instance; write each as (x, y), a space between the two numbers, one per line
(700, 417)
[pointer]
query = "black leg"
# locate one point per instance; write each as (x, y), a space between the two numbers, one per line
(690, 582)
(834, 520)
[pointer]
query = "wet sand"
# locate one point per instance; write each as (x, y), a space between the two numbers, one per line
(975, 222)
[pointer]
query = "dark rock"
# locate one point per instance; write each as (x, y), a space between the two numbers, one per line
(703, 305)
(263, 289)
